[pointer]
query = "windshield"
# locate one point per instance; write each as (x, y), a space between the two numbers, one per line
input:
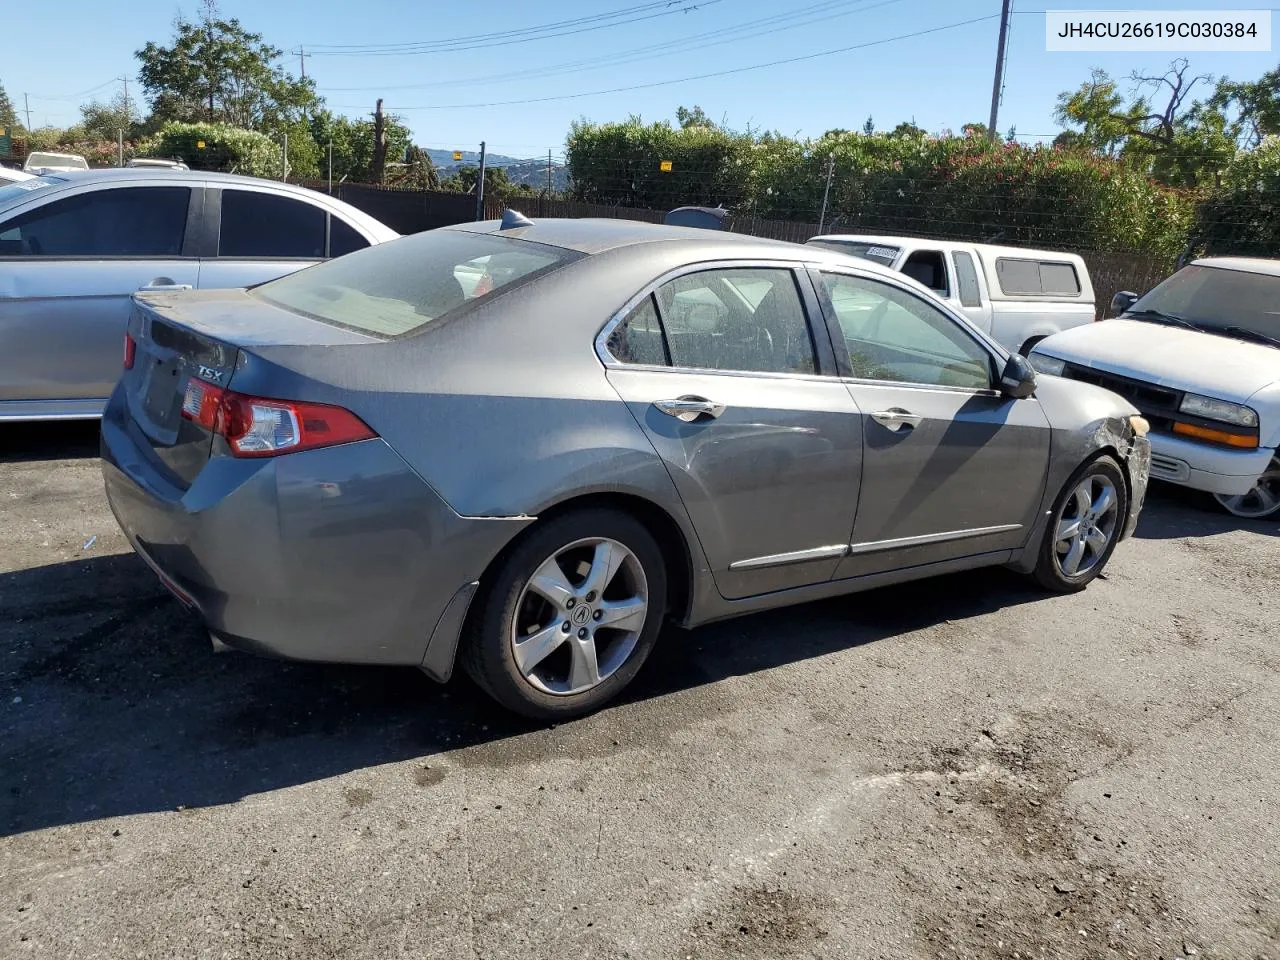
(56, 160)
(19, 190)
(876, 252)
(1217, 299)
(396, 288)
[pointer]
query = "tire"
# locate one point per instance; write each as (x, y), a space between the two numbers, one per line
(517, 646)
(1066, 570)
(1261, 502)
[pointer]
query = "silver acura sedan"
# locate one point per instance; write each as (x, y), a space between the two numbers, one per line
(527, 446)
(75, 248)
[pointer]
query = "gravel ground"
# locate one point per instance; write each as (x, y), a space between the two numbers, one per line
(956, 768)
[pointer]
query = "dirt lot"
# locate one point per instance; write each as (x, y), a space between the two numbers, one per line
(959, 768)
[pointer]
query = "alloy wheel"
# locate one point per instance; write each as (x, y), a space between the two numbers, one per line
(1089, 519)
(1262, 501)
(579, 616)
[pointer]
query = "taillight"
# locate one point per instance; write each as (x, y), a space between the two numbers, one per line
(130, 348)
(261, 427)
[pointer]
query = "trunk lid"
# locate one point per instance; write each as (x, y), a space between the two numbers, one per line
(200, 336)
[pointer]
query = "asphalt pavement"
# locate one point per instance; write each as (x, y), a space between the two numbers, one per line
(961, 767)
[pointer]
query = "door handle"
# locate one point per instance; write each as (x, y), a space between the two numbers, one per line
(895, 418)
(690, 409)
(163, 285)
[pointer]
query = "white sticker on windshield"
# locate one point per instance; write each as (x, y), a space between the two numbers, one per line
(887, 252)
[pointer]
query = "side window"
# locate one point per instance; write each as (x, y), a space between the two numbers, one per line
(967, 279)
(748, 319)
(343, 238)
(638, 338)
(1037, 277)
(930, 268)
(264, 225)
(124, 222)
(895, 336)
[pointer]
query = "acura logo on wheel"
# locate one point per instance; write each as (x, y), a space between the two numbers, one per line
(582, 615)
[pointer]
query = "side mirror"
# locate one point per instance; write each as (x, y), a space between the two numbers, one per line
(1122, 301)
(1018, 379)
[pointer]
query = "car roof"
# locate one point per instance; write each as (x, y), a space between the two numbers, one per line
(70, 178)
(899, 241)
(600, 235)
(1243, 264)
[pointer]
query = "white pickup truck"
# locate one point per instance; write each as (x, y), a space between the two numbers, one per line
(1014, 295)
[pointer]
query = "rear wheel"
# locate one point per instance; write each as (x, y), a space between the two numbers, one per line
(1260, 502)
(569, 616)
(1084, 528)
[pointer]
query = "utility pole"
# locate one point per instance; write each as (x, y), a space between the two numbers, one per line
(831, 168)
(379, 144)
(330, 167)
(302, 62)
(998, 85)
(120, 145)
(284, 160)
(548, 174)
(480, 186)
(26, 104)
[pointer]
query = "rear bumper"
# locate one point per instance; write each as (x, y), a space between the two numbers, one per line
(340, 554)
(1203, 467)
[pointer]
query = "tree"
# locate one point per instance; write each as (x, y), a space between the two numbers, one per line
(216, 71)
(693, 118)
(353, 142)
(8, 116)
(1257, 106)
(869, 127)
(907, 130)
(105, 121)
(975, 131)
(419, 171)
(1161, 129)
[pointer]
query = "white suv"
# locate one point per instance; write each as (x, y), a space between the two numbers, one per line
(1200, 357)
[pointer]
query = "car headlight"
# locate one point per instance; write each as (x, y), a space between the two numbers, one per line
(1049, 366)
(1223, 410)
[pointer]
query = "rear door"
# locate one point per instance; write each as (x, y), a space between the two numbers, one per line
(68, 270)
(256, 235)
(951, 467)
(720, 367)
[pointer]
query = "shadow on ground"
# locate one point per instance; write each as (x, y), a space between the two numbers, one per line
(1175, 513)
(112, 701)
(66, 440)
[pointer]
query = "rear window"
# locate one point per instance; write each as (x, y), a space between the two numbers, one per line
(397, 288)
(1037, 278)
(875, 252)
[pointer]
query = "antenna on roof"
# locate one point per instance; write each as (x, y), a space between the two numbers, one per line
(514, 218)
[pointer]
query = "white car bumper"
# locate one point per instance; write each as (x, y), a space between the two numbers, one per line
(1212, 469)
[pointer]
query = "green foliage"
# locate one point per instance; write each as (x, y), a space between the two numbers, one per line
(952, 187)
(216, 71)
(8, 116)
(1243, 215)
(226, 148)
(692, 118)
(497, 185)
(105, 121)
(353, 144)
(1256, 105)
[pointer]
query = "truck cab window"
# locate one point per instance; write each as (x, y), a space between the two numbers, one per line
(928, 267)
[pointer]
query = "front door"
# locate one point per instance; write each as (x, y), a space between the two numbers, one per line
(68, 271)
(951, 467)
(763, 445)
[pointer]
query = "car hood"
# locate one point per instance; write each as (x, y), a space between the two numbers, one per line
(1205, 363)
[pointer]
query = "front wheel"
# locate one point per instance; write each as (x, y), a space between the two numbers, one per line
(1260, 502)
(569, 616)
(1084, 528)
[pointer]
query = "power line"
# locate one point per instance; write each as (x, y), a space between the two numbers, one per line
(564, 28)
(777, 23)
(76, 96)
(704, 76)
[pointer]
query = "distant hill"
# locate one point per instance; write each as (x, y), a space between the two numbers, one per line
(532, 172)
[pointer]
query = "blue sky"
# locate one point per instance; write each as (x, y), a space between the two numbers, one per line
(939, 79)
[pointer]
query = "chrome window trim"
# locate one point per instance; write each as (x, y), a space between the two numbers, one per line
(875, 546)
(651, 289)
(832, 552)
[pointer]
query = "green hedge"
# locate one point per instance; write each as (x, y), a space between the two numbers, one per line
(957, 187)
(1242, 215)
(216, 146)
